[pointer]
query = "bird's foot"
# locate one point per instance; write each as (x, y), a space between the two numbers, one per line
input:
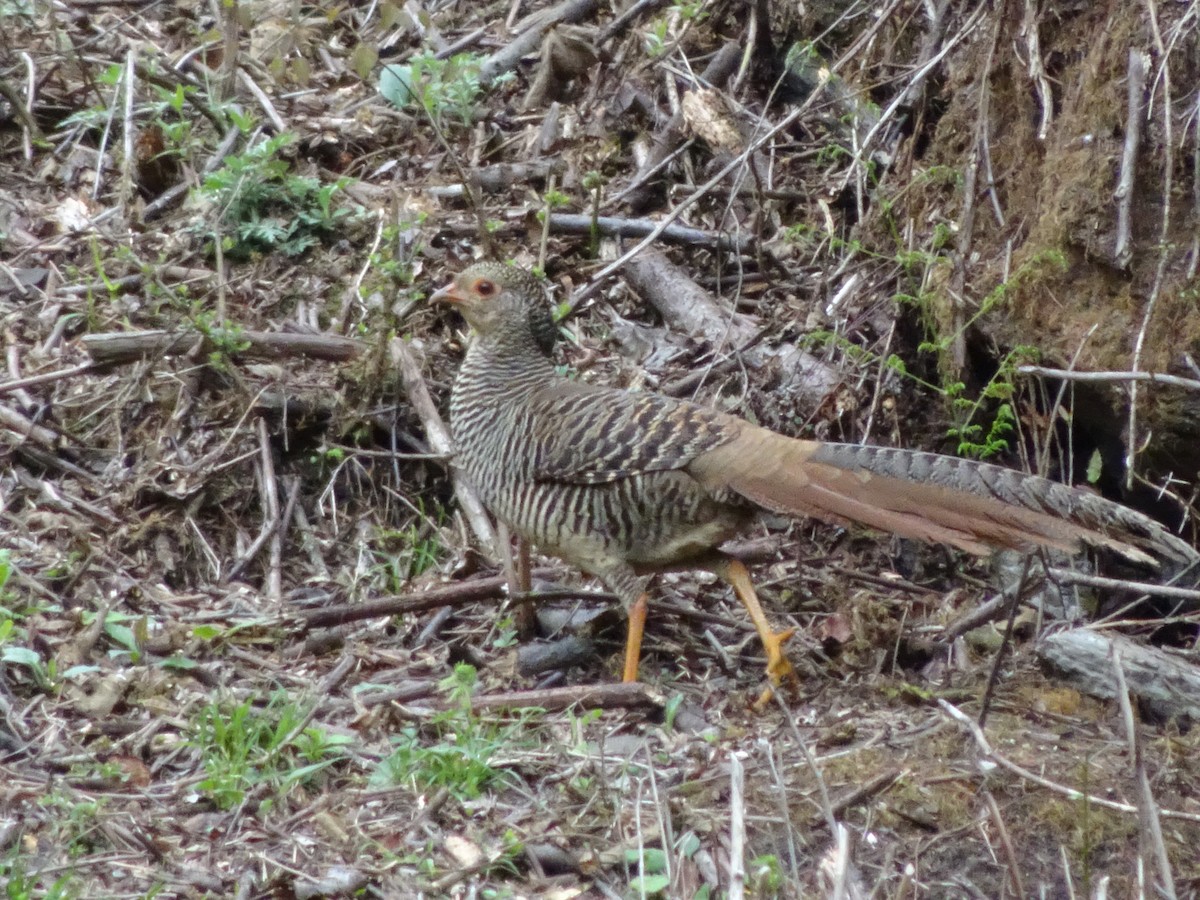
(779, 670)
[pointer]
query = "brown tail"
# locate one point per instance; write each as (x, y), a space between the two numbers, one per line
(972, 505)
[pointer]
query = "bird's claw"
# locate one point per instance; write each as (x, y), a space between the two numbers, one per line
(779, 671)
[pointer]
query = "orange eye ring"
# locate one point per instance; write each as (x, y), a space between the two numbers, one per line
(485, 288)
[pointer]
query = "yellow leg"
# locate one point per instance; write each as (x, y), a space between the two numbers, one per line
(633, 638)
(779, 670)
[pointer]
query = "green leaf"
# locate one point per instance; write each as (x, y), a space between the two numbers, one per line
(650, 884)
(1094, 467)
(178, 662)
(396, 85)
(653, 861)
(21, 656)
(80, 670)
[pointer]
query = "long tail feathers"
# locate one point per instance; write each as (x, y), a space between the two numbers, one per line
(972, 505)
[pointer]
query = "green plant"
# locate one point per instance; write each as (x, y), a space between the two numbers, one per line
(653, 873)
(764, 875)
(442, 88)
(454, 751)
(263, 206)
(405, 553)
(76, 822)
(22, 885)
(244, 747)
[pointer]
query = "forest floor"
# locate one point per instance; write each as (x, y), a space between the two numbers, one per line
(249, 647)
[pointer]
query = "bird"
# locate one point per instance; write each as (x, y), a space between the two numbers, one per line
(625, 484)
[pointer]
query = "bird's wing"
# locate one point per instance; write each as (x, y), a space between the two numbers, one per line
(592, 435)
(586, 434)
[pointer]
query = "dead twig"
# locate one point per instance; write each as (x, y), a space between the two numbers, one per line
(620, 695)
(574, 223)
(1151, 824)
(1003, 762)
(45, 378)
(1135, 114)
(448, 595)
(1190, 384)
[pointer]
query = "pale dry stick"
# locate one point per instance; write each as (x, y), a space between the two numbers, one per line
(126, 191)
(264, 101)
(439, 438)
(45, 378)
(12, 354)
(1058, 405)
(966, 219)
(270, 526)
(343, 313)
(102, 147)
(1070, 793)
(918, 76)
(25, 110)
(664, 818)
(1151, 824)
(837, 866)
(825, 806)
(1006, 845)
(1149, 589)
(230, 29)
(271, 513)
(1135, 114)
(308, 540)
(1189, 384)
(737, 828)
(1194, 256)
(575, 223)
(39, 434)
(1066, 867)
(1037, 71)
(544, 239)
(1164, 242)
(785, 812)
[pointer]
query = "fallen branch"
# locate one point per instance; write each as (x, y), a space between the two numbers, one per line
(440, 441)
(1083, 657)
(575, 223)
(448, 595)
(121, 347)
(527, 42)
(1190, 384)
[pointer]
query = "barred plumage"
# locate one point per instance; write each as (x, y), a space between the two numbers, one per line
(622, 483)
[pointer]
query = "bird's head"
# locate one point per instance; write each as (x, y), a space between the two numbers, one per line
(494, 298)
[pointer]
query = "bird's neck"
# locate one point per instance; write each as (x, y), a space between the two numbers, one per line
(503, 367)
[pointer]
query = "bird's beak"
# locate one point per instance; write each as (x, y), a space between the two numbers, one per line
(448, 294)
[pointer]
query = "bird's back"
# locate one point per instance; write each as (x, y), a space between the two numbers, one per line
(594, 475)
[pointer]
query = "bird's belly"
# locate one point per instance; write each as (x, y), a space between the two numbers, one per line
(647, 521)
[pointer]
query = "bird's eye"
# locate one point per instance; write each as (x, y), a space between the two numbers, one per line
(485, 288)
